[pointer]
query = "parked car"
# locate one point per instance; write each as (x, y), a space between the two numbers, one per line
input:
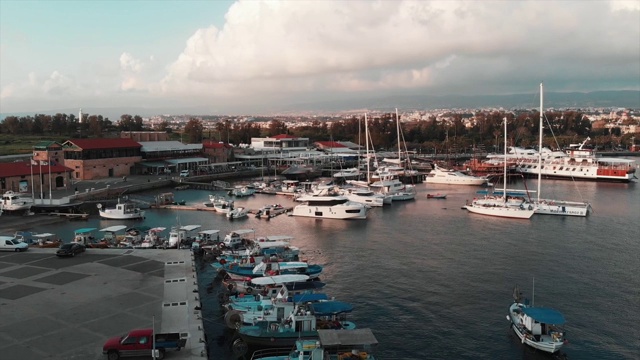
(10, 243)
(184, 173)
(70, 249)
(140, 343)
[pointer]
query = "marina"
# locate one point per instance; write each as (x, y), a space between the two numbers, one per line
(450, 247)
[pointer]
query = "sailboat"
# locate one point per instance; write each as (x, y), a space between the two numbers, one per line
(501, 206)
(555, 207)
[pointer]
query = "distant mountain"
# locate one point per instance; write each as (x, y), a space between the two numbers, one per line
(598, 99)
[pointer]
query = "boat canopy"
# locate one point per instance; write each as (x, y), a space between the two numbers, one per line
(279, 238)
(209, 232)
(272, 244)
(157, 229)
(279, 279)
(190, 227)
(544, 315)
(346, 337)
(242, 231)
(328, 308)
(312, 297)
(85, 230)
(114, 228)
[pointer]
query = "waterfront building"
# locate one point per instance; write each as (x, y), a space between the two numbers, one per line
(101, 158)
(36, 177)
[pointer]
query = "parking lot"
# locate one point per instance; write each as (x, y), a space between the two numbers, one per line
(65, 308)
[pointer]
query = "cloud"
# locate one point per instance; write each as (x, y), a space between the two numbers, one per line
(355, 46)
(132, 73)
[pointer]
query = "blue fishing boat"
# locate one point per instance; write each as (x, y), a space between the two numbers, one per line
(269, 268)
(538, 327)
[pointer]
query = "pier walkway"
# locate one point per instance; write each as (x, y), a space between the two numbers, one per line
(66, 308)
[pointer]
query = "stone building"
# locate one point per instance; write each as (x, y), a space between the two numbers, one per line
(101, 158)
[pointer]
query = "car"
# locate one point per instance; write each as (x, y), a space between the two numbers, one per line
(11, 243)
(70, 249)
(184, 173)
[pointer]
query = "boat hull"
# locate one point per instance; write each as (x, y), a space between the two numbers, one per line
(119, 216)
(562, 208)
(501, 211)
(350, 212)
(546, 343)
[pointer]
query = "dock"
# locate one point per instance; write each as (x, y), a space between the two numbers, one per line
(71, 216)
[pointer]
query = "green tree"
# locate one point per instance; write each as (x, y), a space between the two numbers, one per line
(193, 130)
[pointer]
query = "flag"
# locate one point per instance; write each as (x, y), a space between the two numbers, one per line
(33, 162)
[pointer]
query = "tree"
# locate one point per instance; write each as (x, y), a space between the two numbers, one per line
(277, 127)
(193, 130)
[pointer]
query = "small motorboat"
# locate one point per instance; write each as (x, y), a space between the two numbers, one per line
(436, 196)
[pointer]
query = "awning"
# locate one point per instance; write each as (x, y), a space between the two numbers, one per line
(187, 160)
(544, 315)
(153, 164)
(114, 228)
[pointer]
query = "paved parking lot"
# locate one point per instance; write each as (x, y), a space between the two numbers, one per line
(65, 308)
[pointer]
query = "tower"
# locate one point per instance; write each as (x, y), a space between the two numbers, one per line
(80, 116)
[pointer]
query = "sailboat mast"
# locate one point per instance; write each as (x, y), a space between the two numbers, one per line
(398, 131)
(504, 190)
(366, 137)
(533, 293)
(540, 143)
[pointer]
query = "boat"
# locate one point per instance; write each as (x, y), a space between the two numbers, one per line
(364, 196)
(220, 204)
(303, 323)
(179, 236)
(238, 213)
(242, 191)
(266, 285)
(85, 237)
(272, 268)
(45, 240)
(152, 238)
(356, 344)
(552, 206)
(499, 205)
(16, 201)
(538, 327)
(443, 176)
(436, 196)
(329, 207)
(269, 211)
(302, 171)
(348, 174)
(122, 211)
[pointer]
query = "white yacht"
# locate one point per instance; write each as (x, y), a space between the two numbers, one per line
(329, 207)
(364, 196)
(14, 201)
(451, 177)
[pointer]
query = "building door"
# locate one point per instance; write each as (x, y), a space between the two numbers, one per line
(59, 182)
(110, 172)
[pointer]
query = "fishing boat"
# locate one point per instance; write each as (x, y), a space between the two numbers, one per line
(436, 196)
(538, 327)
(16, 201)
(553, 206)
(329, 207)
(45, 240)
(355, 344)
(272, 268)
(303, 323)
(122, 211)
(220, 204)
(180, 236)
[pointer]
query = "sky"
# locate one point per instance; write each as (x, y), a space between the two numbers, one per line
(252, 57)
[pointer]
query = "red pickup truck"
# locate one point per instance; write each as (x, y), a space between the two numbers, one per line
(140, 343)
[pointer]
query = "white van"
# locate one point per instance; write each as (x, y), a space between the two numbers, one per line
(10, 243)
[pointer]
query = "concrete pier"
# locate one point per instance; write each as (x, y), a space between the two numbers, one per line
(66, 308)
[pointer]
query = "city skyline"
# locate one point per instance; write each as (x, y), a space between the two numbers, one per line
(226, 57)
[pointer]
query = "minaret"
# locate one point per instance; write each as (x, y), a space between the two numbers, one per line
(80, 116)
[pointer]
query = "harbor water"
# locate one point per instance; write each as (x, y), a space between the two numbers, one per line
(434, 282)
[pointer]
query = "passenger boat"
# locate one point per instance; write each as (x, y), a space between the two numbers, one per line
(355, 344)
(329, 207)
(538, 327)
(452, 177)
(15, 201)
(122, 211)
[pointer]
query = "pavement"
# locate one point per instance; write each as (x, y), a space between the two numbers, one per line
(66, 308)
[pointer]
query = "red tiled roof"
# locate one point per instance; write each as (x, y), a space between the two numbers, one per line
(112, 143)
(330, 144)
(284, 136)
(23, 168)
